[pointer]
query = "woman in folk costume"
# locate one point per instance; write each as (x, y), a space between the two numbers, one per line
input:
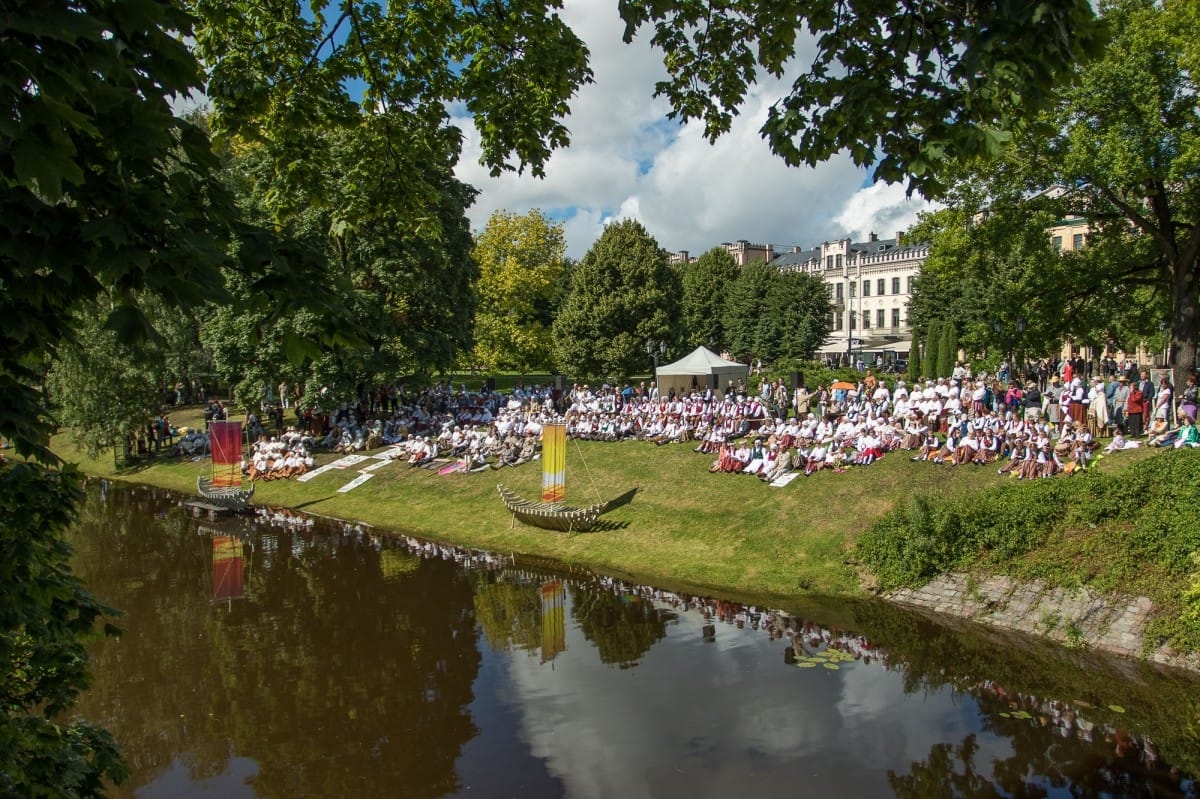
(1098, 406)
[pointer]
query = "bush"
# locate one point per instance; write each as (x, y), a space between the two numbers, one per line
(1156, 498)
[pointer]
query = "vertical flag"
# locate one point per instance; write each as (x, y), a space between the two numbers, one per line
(225, 439)
(554, 462)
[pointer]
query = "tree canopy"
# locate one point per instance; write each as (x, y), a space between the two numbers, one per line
(1119, 152)
(622, 295)
(909, 87)
(704, 285)
(775, 315)
(521, 270)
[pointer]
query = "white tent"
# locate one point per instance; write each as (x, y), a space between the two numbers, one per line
(702, 369)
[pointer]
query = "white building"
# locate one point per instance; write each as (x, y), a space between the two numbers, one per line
(870, 284)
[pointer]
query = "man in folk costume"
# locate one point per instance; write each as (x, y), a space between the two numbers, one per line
(1079, 402)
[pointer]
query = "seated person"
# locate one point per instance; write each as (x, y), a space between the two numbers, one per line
(1189, 435)
(779, 467)
(1159, 435)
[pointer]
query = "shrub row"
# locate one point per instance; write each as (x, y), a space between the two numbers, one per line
(1157, 501)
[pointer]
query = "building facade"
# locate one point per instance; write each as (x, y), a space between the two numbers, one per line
(870, 284)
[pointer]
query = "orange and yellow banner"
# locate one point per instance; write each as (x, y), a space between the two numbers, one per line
(554, 462)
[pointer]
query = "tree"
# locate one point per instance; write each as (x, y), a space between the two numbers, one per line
(933, 341)
(705, 287)
(914, 356)
(1129, 144)
(391, 261)
(521, 269)
(992, 261)
(103, 389)
(1119, 149)
(106, 194)
(947, 350)
(286, 76)
(772, 315)
(938, 83)
(622, 295)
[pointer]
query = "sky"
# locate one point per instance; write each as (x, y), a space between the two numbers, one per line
(628, 161)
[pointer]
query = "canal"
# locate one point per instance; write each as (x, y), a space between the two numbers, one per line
(284, 656)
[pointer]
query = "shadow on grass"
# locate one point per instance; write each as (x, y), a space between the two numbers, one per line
(312, 502)
(621, 501)
(603, 526)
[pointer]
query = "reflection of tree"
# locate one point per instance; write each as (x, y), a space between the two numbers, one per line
(949, 771)
(931, 656)
(622, 628)
(509, 612)
(1041, 761)
(335, 680)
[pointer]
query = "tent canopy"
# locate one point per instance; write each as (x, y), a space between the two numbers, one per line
(701, 369)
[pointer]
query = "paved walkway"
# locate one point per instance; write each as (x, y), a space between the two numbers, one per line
(1079, 618)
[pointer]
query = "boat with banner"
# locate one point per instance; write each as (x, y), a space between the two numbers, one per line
(552, 513)
(223, 486)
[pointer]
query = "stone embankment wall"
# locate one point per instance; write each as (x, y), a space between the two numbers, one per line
(1075, 618)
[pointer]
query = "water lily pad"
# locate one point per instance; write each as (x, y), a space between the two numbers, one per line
(1006, 715)
(832, 666)
(1116, 708)
(806, 665)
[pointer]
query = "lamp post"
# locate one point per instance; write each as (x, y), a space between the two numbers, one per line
(1010, 341)
(656, 349)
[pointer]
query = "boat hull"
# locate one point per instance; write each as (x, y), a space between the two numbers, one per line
(231, 497)
(550, 516)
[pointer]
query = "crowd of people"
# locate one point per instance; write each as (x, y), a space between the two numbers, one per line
(279, 458)
(1018, 427)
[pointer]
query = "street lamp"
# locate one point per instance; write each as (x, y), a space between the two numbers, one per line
(655, 350)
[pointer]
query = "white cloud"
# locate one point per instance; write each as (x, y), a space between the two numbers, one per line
(627, 160)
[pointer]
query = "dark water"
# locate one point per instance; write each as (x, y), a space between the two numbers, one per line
(278, 658)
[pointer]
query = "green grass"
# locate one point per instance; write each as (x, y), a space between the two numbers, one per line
(684, 529)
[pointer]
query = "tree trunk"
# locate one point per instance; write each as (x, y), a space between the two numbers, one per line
(1185, 304)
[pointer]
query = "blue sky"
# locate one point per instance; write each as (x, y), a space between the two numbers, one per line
(626, 160)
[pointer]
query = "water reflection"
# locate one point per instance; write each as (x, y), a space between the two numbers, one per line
(281, 657)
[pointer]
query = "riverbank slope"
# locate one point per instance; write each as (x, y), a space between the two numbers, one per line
(684, 528)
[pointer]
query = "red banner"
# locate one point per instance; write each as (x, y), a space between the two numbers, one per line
(225, 439)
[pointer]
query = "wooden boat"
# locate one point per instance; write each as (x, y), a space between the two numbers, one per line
(231, 497)
(551, 515)
(223, 487)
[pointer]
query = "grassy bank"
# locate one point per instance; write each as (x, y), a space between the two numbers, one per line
(685, 528)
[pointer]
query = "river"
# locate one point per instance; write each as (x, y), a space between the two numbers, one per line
(284, 656)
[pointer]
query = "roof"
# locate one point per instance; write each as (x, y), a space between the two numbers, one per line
(702, 361)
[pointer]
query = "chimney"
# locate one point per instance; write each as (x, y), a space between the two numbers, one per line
(873, 237)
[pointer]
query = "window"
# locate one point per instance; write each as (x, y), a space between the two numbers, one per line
(829, 262)
(1077, 241)
(910, 280)
(838, 324)
(895, 285)
(838, 260)
(879, 317)
(838, 291)
(866, 288)
(853, 320)
(1056, 242)
(852, 284)
(896, 316)
(880, 288)
(866, 319)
